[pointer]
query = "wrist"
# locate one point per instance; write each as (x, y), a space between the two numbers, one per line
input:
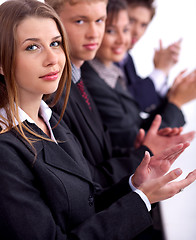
(132, 183)
(175, 101)
(165, 70)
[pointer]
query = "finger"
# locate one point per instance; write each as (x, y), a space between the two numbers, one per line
(175, 155)
(190, 178)
(170, 131)
(155, 124)
(191, 77)
(180, 130)
(141, 172)
(187, 137)
(139, 138)
(169, 177)
(145, 161)
(175, 132)
(173, 152)
(179, 77)
(160, 45)
(179, 41)
(164, 131)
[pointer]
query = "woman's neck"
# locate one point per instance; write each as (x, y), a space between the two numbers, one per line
(31, 108)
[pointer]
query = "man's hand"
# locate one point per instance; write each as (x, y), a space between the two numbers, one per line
(139, 138)
(157, 143)
(150, 177)
(183, 89)
(156, 166)
(167, 132)
(162, 188)
(170, 131)
(166, 58)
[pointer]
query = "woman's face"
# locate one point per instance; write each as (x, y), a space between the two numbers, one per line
(116, 39)
(40, 58)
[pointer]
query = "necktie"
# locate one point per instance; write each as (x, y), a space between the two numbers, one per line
(83, 92)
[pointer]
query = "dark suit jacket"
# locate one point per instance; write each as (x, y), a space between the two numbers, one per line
(121, 113)
(143, 90)
(96, 145)
(54, 197)
(106, 167)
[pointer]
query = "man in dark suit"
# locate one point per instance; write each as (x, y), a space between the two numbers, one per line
(141, 14)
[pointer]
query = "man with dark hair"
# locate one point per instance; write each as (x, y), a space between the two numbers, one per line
(149, 93)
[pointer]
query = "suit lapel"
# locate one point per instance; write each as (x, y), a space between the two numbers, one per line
(118, 88)
(37, 144)
(130, 69)
(57, 157)
(90, 117)
(66, 155)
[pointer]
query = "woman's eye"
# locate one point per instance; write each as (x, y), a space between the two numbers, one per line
(126, 30)
(32, 47)
(110, 31)
(55, 44)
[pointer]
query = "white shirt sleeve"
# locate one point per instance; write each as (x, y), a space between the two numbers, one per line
(160, 81)
(140, 193)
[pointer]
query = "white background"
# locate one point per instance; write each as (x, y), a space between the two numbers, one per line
(175, 19)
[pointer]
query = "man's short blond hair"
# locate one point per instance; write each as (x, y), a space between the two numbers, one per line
(58, 4)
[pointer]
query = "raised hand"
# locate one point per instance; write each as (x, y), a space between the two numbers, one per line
(183, 89)
(156, 166)
(166, 58)
(150, 176)
(157, 143)
(167, 132)
(162, 188)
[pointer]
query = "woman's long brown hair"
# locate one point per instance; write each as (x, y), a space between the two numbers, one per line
(12, 12)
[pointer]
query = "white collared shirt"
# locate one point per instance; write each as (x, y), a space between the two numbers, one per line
(110, 74)
(44, 111)
(160, 81)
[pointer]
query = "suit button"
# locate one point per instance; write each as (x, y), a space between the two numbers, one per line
(91, 201)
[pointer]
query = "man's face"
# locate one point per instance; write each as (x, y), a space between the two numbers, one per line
(85, 25)
(140, 18)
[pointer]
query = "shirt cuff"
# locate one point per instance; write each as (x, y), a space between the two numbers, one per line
(160, 81)
(140, 193)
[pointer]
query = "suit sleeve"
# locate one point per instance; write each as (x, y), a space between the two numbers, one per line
(125, 222)
(118, 113)
(25, 215)
(172, 116)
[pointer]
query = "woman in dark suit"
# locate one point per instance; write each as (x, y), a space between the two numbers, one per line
(118, 108)
(46, 189)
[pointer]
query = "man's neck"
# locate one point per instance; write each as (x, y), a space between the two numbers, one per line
(77, 63)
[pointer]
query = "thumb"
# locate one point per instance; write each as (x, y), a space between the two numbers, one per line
(141, 173)
(155, 124)
(139, 138)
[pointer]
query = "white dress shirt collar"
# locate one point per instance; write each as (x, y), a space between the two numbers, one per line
(44, 111)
